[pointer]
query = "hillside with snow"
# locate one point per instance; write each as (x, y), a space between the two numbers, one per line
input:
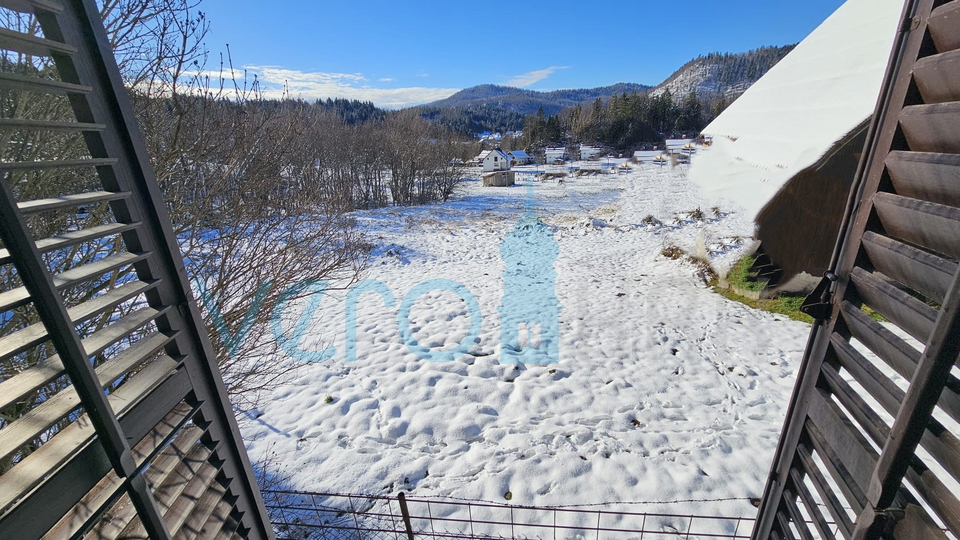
(722, 74)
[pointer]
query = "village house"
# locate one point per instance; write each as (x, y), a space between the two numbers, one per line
(589, 152)
(495, 160)
(520, 157)
(680, 146)
(554, 155)
(649, 156)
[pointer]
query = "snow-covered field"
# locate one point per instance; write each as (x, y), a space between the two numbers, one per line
(664, 390)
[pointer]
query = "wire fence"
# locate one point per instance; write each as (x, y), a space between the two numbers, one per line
(334, 516)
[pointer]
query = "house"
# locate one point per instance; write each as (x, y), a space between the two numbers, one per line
(478, 161)
(589, 152)
(679, 146)
(787, 150)
(554, 155)
(648, 156)
(495, 160)
(520, 157)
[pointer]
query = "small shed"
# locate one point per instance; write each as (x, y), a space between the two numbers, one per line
(499, 179)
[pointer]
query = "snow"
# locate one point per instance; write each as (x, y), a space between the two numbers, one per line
(790, 118)
(664, 390)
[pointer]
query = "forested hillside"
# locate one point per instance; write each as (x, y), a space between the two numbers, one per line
(528, 101)
(722, 74)
(475, 118)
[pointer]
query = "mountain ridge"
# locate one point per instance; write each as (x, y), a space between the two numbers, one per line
(525, 101)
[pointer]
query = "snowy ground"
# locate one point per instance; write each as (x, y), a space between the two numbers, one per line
(664, 390)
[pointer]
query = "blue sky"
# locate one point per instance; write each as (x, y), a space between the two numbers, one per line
(398, 54)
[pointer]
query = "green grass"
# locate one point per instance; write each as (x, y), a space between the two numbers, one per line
(740, 276)
(788, 306)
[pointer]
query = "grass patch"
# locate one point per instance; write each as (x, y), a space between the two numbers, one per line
(740, 276)
(873, 314)
(672, 252)
(788, 306)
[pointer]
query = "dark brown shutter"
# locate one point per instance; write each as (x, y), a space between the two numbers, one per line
(114, 419)
(871, 437)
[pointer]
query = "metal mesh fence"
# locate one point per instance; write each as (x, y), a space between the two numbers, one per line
(331, 516)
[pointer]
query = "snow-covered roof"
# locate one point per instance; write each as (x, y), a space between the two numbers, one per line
(678, 143)
(794, 115)
(647, 154)
(483, 155)
(519, 154)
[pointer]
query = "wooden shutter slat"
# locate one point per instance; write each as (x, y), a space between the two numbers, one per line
(820, 483)
(21, 340)
(926, 176)
(932, 226)
(944, 26)
(923, 272)
(32, 45)
(893, 350)
(878, 385)
(845, 456)
(202, 511)
(10, 81)
(71, 238)
(32, 6)
(932, 128)
(938, 77)
(67, 201)
(61, 164)
(177, 512)
(813, 509)
(102, 339)
(790, 505)
(88, 506)
(25, 428)
(907, 312)
(16, 388)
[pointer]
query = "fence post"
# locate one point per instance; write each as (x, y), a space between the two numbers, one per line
(402, 499)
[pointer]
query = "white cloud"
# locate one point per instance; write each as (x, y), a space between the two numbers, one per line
(278, 82)
(532, 77)
(385, 79)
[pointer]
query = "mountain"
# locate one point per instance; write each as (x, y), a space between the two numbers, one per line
(727, 75)
(491, 107)
(528, 101)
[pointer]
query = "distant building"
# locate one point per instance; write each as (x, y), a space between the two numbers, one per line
(520, 157)
(649, 156)
(589, 152)
(478, 161)
(496, 160)
(498, 179)
(554, 155)
(680, 146)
